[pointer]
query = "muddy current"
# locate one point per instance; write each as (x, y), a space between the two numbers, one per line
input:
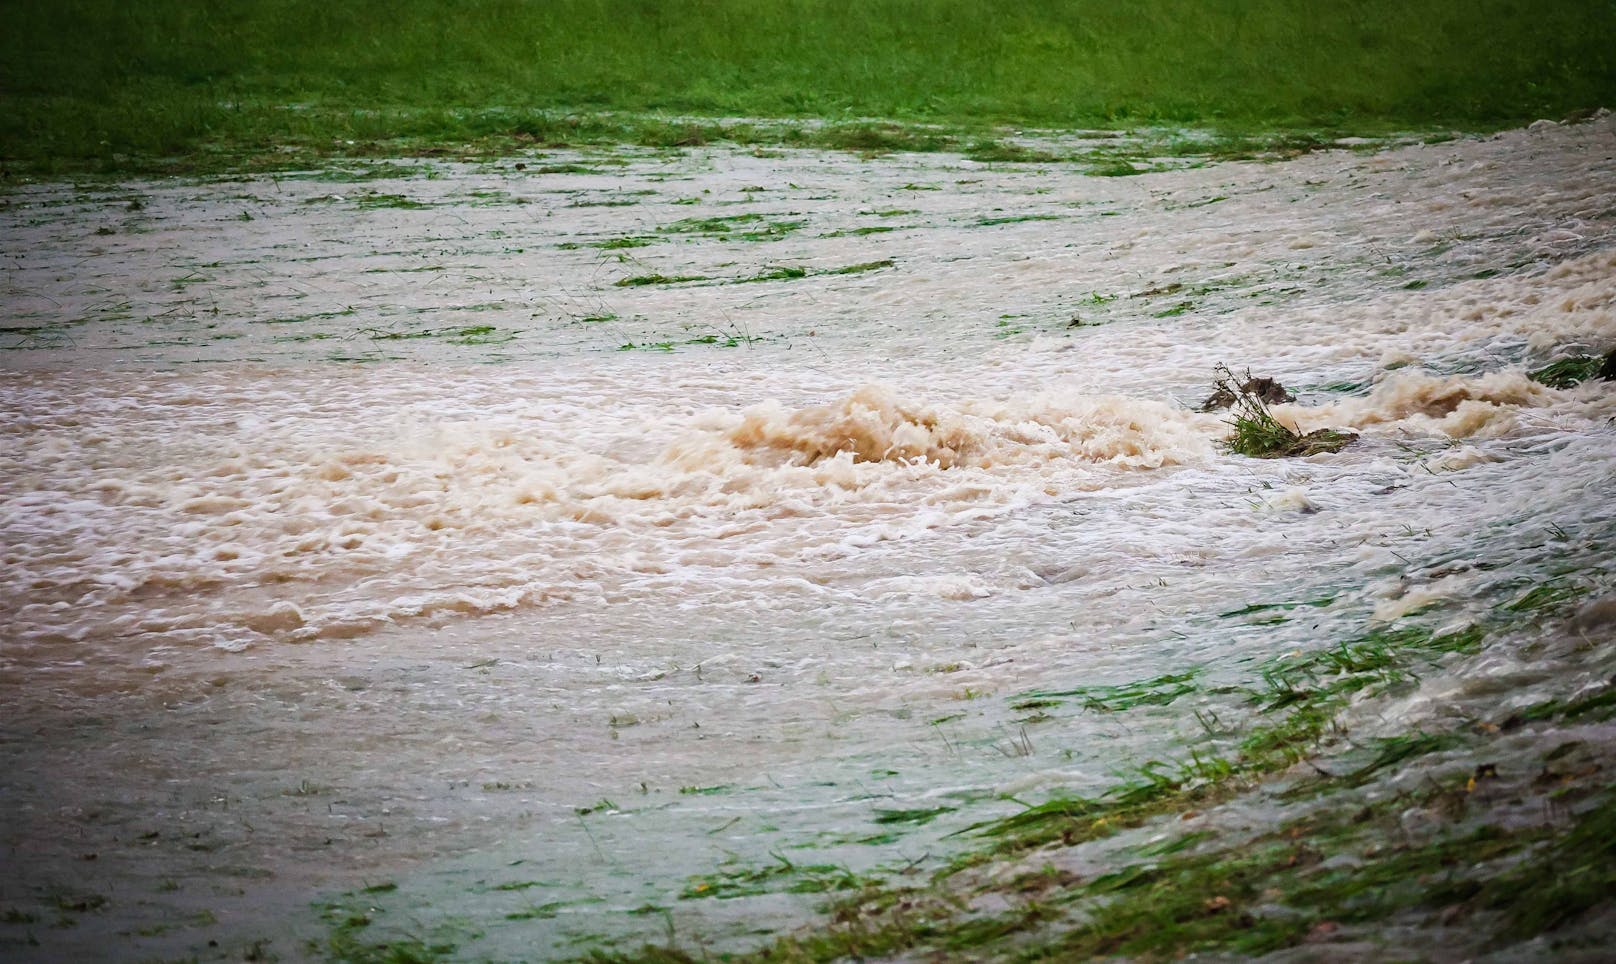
(530, 542)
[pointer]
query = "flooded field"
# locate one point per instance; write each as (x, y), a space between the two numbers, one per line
(513, 561)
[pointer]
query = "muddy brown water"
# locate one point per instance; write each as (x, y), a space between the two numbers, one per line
(378, 533)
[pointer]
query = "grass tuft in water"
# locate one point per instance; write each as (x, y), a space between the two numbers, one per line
(1157, 691)
(641, 280)
(1258, 434)
(783, 876)
(988, 150)
(913, 817)
(1573, 371)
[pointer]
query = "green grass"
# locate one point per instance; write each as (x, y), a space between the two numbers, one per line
(1284, 606)
(743, 227)
(787, 273)
(1015, 219)
(916, 817)
(1569, 372)
(1159, 691)
(793, 272)
(738, 881)
(641, 280)
(1257, 433)
(125, 84)
(614, 244)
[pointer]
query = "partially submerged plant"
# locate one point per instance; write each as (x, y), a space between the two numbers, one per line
(1571, 371)
(1258, 434)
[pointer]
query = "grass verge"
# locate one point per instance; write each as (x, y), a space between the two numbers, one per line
(87, 83)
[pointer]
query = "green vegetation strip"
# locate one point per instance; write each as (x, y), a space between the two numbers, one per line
(1159, 691)
(87, 83)
(796, 879)
(740, 227)
(1302, 881)
(782, 273)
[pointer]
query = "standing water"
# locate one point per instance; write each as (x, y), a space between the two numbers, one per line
(522, 560)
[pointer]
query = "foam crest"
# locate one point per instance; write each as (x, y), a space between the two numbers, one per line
(1458, 406)
(874, 424)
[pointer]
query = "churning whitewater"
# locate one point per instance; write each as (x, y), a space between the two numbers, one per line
(356, 541)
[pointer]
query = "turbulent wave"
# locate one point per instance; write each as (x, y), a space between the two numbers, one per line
(240, 531)
(876, 425)
(303, 530)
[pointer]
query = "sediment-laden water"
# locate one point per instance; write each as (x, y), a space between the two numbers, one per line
(418, 529)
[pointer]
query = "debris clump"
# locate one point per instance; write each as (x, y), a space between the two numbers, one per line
(1257, 433)
(1267, 390)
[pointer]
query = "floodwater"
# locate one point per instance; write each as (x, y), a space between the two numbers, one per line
(400, 531)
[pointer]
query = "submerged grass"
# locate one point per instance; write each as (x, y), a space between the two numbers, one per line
(1305, 880)
(777, 877)
(741, 227)
(348, 939)
(1159, 691)
(642, 280)
(95, 82)
(1572, 371)
(1302, 881)
(1340, 864)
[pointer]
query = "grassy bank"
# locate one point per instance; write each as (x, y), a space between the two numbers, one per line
(98, 82)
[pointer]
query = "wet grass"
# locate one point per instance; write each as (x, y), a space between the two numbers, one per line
(348, 939)
(642, 280)
(739, 227)
(1574, 370)
(861, 267)
(168, 84)
(789, 273)
(1277, 606)
(1158, 691)
(1115, 167)
(988, 150)
(794, 272)
(859, 232)
(1215, 890)
(458, 335)
(1015, 219)
(1546, 595)
(1258, 434)
(1342, 866)
(1230, 893)
(781, 876)
(373, 201)
(911, 817)
(1596, 707)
